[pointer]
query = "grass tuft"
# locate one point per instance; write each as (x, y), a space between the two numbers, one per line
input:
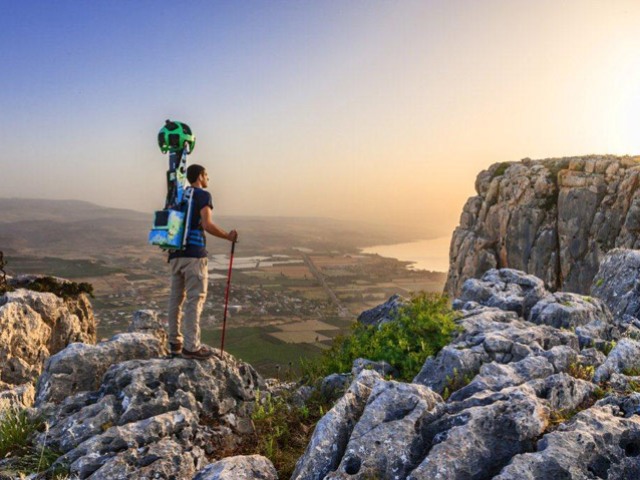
(283, 428)
(21, 455)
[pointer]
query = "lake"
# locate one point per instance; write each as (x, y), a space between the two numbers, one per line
(430, 254)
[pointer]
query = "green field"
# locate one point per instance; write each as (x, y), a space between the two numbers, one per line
(60, 267)
(255, 346)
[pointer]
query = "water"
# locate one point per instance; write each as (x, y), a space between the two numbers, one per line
(430, 254)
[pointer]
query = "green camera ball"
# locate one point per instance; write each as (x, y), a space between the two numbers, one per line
(174, 135)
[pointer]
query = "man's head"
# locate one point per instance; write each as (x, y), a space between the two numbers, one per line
(197, 174)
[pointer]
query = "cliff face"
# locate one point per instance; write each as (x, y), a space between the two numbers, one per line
(552, 218)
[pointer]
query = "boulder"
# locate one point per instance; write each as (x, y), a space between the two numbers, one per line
(617, 283)
(24, 337)
(70, 319)
(382, 367)
(489, 335)
(506, 289)
(146, 321)
(80, 367)
(589, 317)
(624, 357)
(386, 441)
(596, 443)
(383, 313)
(157, 417)
(494, 376)
(34, 325)
(333, 430)
(478, 441)
(476, 437)
(242, 467)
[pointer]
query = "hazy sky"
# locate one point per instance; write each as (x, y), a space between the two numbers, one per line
(379, 110)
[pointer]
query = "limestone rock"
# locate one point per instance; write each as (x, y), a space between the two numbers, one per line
(383, 313)
(589, 317)
(386, 442)
(146, 321)
(334, 385)
(34, 325)
(242, 467)
(594, 444)
(516, 291)
(382, 367)
(507, 289)
(554, 219)
(23, 343)
(474, 438)
(478, 441)
(332, 432)
(489, 335)
(80, 367)
(624, 356)
(70, 319)
(495, 377)
(21, 396)
(156, 417)
(617, 283)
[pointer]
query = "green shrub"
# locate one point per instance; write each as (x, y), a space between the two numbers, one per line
(420, 330)
(61, 289)
(456, 383)
(283, 430)
(17, 434)
(584, 372)
(500, 170)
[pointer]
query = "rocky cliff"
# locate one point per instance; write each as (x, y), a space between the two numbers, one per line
(552, 218)
(537, 385)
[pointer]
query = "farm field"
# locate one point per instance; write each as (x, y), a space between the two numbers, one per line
(269, 355)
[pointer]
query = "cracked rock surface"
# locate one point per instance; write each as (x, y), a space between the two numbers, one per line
(35, 325)
(159, 418)
(510, 397)
(554, 218)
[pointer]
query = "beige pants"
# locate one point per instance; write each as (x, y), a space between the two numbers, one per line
(189, 278)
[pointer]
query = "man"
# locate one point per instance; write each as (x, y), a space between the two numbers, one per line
(189, 273)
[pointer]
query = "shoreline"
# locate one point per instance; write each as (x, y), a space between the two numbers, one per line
(428, 255)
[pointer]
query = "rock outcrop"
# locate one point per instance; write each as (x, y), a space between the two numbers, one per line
(35, 325)
(242, 467)
(617, 283)
(80, 367)
(554, 219)
(154, 418)
(510, 397)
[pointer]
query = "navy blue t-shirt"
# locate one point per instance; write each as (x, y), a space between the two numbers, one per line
(201, 198)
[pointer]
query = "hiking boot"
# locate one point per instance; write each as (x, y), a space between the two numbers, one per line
(175, 349)
(202, 353)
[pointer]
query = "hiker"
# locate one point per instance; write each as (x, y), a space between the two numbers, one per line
(189, 273)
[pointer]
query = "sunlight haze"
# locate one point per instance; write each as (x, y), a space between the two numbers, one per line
(372, 110)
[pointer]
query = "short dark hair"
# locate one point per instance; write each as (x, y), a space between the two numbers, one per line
(193, 172)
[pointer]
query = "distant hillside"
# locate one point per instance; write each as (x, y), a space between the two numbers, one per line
(82, 229)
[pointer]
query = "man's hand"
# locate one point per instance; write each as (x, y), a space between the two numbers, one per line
(212, 228)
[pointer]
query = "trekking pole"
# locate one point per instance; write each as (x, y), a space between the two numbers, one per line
(226, 298)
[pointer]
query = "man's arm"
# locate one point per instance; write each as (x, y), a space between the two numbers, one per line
(212, 228)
